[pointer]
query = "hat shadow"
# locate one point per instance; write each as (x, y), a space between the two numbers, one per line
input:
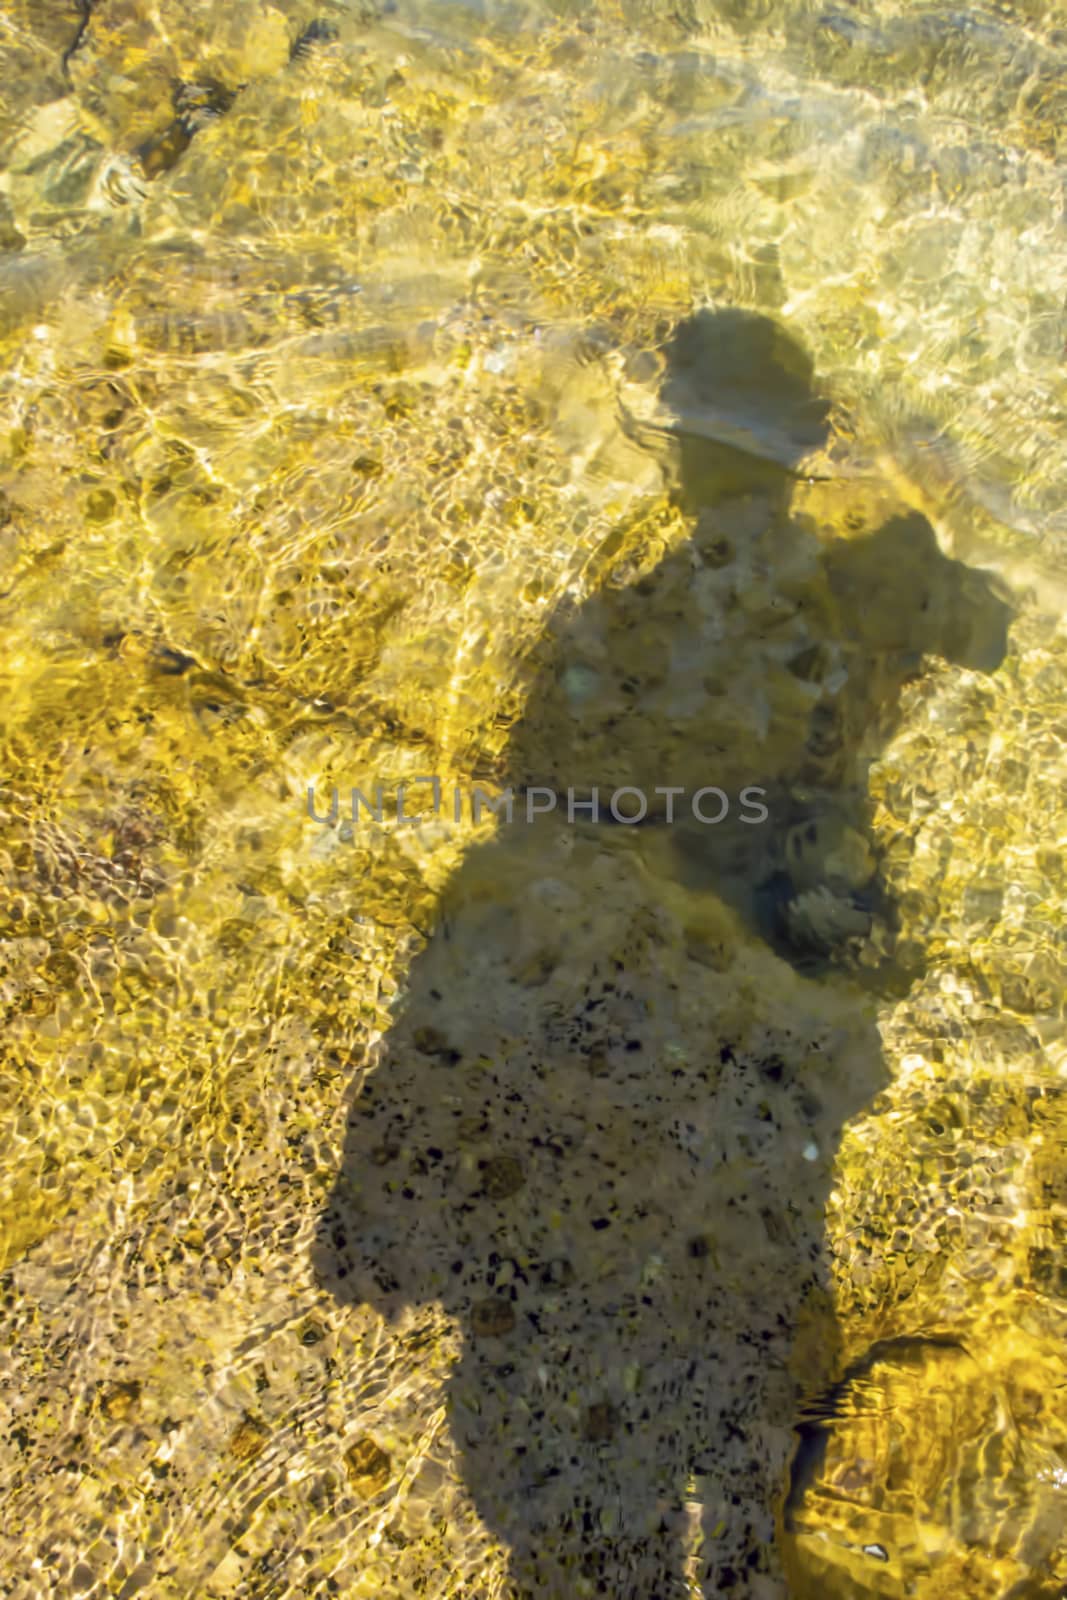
(601, 1130)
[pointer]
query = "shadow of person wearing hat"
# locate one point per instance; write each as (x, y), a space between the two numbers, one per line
(601, 1130)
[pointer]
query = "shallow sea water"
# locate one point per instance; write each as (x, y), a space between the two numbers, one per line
(560, 395)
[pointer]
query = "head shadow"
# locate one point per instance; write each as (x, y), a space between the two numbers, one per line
(601, 1129)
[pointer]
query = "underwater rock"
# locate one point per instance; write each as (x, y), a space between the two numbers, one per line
(492, 1318)
(502, 1176)
(248, 1440)
(368, 1467)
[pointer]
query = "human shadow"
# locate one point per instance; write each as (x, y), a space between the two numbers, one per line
(601, 1130)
